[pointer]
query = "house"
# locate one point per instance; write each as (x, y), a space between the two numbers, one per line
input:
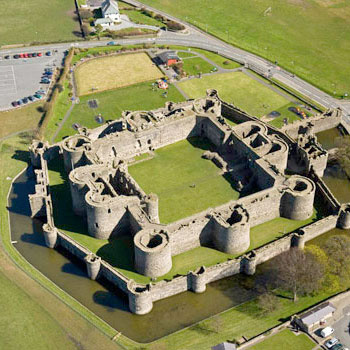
(104, 22)
(224, 346)
(110, 9)
(168, 58)
(316, 317)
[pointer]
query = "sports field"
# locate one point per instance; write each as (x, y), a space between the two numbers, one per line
(37, 21)
(308, 37)
(285, 340)
(239, 89)
(184, 182)
(113, 72)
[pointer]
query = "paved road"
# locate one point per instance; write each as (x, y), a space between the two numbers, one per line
(200, 39)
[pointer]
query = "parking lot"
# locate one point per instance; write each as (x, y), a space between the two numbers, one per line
(341, 329)
(20, 78)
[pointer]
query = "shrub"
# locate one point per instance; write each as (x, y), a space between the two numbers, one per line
(172, 25)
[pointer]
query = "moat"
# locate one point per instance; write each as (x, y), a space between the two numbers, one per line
(168, 315)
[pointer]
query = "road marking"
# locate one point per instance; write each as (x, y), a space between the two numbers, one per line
(7, 80)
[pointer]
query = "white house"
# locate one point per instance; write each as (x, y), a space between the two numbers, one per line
(104, 22)
(110, 10)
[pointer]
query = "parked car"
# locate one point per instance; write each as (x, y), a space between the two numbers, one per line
(111, 43)
(19, 102)
(48, 53)
(14, 103)
(339, 346)
(25, 100)
(31, 98)
(327, 331)
(331, 342)
(15, 56)
(7, 57)
(48, 73)
(45, 82)
(34, 54)
(38, 96)
(40, 54)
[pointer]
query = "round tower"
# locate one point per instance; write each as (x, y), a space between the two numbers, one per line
(297, 202)
(344, 217)
(152, 253)
(232, 236)
(73, 151)
(298, 240)
(151, 202)
(198, 280)
(36, 148)
(249, 263)
(50, 235)
(140, 299)
(93, 264)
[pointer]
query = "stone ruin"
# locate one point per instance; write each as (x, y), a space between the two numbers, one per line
(253, 154)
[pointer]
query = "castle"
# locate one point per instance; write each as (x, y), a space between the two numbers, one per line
(253, 154)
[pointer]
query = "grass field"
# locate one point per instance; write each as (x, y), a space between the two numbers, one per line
(310, 38)
(238, 88)
(195, 65)
(112, 102)
(140, 18)
(123, 70)
(18, 119)
(219, 60)
(285, 340)
(32, 21)
(171, 173)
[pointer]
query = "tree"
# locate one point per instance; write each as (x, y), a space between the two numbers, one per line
(297, 272)
(268, 302)
(86, 14)
(98, 29)
(343, 153)
(337, 249)
(86, 29)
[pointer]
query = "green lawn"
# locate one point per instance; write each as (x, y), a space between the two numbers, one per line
(140, 18)
(310, 38)
(185, 54)
(285, 340)
(195, 65)
(237, 87)
(112, 102)
(219, 60)
(25, 324)
(18, 119)
(172, 172)
(60, 109)
(32, 21)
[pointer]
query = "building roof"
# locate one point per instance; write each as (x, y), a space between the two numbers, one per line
(109, 7)
(168, 55)
(317, 314)
(103, 21)
(224, 346)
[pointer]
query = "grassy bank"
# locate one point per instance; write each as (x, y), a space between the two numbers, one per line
(309, 38)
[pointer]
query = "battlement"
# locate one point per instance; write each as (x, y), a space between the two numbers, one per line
(252, 154)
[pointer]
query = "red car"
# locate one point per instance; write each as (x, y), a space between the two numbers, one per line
(26, 55)
(40, 54)
(21, 55)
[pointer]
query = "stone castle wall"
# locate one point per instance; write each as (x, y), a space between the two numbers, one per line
(111, 201)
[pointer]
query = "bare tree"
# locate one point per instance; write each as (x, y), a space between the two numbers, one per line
(343, 153)
(298, 272)
(268, 302)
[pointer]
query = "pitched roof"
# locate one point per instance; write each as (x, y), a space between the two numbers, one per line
(103, 21)
(167, 55)
(224, 346)
(109, 7)
(317, 314)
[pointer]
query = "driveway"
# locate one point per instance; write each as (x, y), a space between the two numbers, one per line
(341, 330)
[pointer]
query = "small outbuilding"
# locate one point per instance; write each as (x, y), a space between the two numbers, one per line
(168, 58)
(104, 22)
(224, 346)
(316, 317)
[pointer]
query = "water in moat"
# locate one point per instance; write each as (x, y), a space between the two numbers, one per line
(335, 179)
(167, 316)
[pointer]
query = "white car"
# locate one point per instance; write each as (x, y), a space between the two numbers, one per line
(329, 343)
